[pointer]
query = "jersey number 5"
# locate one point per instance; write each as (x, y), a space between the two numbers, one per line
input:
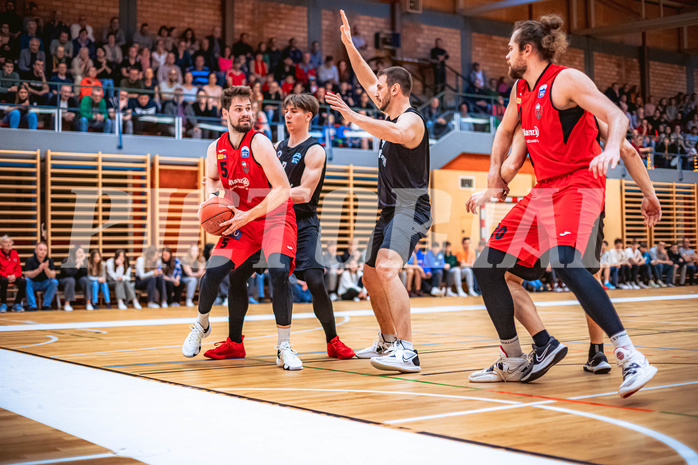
(224, 169)
(224, 242)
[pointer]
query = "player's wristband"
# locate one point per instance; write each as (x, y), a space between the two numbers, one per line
(213, 194)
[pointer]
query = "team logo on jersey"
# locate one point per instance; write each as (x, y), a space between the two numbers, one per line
(531, 132)
(245, 167)
(278, 154)
(541, 91)
(236, 234)
(245, 152)
(518, 101)
(222, 156)
(539, 111)
(296, 158)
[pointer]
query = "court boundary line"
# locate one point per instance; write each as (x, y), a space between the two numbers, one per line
(68, 459)
(306, 409)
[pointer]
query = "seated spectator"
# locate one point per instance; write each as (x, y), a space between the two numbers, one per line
(499, 108)
(141, 107)
(33, 16)
(173, 38)
(272, 54)
(259, 118)
(663, 264)
(434, 269)
(60, 79)
(466, 259)
(299, 290)
(62, 41)
(286, 68)
(80, 65)
(133, 82)
(68, 106)
(205, 51)
(292, 51)
(259, 67)
(435, 122)
(130, 62)
(10, 274)
(28, 56)
(691, 259)
(20, 112)
(114, 53)
(53, 28)
(235, 76)
(9, 46)
(31, 34)
(97, 274)
(350, 284)
(168, 86)
(304, 70)
(200, 72)
(9, 82)
(40, 273)
(636, 263)
(82, 24)
(189, 90)
(200, 109)
(159, 55)
(74, 273)
(119, 273)
(88, 82)
(242, 46)
(172, 274)
(93, 112)
(12, 19)
(414, 273)
(332, 268)
(619, 262)
(193, 269)
(328, 72)
(150, 84)
(182, 57)
(169, 66)
(149, 276)
(503, 88)
(453, 273)
(680, 263)
(37, 85)
(225, 61)
(144, 58)
(123, 106)
(114, 28)
(289, 85)
(105, 71)
(83, 42)
(143, 37)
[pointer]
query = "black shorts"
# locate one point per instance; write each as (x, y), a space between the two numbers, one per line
(308, 246)
(591, 258)
(399, 230)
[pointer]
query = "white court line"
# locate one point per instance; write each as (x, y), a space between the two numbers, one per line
(161, 423)
(688, 454)
(467, 412)
(67, 459)
(51, 339)
(308, 315)
(614, 393)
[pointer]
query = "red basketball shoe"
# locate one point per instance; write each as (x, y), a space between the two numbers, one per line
(337, 349)
(226, 349)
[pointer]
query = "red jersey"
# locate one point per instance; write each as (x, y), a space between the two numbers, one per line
(243, 179)
(559, 141)
(10, 264)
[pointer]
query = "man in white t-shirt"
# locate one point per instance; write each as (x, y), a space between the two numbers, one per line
(691, 258)
(636, 264)
(619, 260)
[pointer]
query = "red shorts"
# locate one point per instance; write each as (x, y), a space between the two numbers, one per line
(557, 211)
(273, 233)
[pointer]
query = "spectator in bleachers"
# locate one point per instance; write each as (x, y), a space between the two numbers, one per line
(358, 40)
(64, 42)
(74, 274)
(82, 24)
(30, 34)
(144, 58)
(12, 19)
(671, 109)
(172, 274)
(144, 106)
(435, 122)
(315, 54)
(235, 76)
(83, 42)
(10, 274)
(453, 273)
(80, 65)
(178, 107)
(165, 70)
(664, 265)
(305, 70)
(636, 263)
(97, 274)
(466, 258)
(203, 109)
(37, 85)
(650, 106)
(9, 82)
(33, 15)
(150, 84)
(259, 67)
(130, 62)
(413, 277)
(292, 51)
(20, 113)
(126, 114)
(350, 284)
(613, 93)
(328, 72)
(680, 264)
(691, 259)
(119, 273)
(286, 68)
(40, 273)
(259, 118)
(242, 46)
(52, 29)
(105, 71)
(332, 262)
(476, 74)
(60, 58)
(225, 62)
(93, 112)
(190, 42)
(133, 83)
(273, 54)
(438, 59)
(619, 262)
(88, 82)
(114, 28)
(159, 55)
(434, 269)
(200, 71)
(193, 269)
(143, 37)
(114, 53)
(216, 43)
(29, 55)
(9, 49)
(168, 85)
(189, 90)
(68, 105)
(149, 276)
(205, 52)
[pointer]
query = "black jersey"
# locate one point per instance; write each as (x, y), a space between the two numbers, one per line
(293, 161)
(403, 174)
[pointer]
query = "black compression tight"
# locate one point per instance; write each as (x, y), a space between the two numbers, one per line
(322, 305)
(495, 291)
(217, 269)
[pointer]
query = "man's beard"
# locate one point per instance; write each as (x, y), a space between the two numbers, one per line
(242, 126)
(517, 72)
(385, 103)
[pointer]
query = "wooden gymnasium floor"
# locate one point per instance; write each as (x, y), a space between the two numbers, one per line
(177, 410)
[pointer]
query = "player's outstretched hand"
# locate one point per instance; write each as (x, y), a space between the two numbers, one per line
(651, 210)
(600, 164)
(240, 219)
(478, 199)
(336, 103)
(345, 29)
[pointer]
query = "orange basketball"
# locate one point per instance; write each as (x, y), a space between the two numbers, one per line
(215, 211)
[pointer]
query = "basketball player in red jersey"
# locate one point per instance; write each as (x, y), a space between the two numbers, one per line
(512, 368)
(243, 163)
(556, 107)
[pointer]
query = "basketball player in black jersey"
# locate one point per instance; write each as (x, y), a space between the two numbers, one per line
(405, 218)
(305, 162)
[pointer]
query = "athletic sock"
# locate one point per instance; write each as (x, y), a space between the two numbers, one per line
(203, 321)
(330, 330)
(595, 349)
(622, 340)
(511, 347)
(407, 344)
(284, 335)
(541, 338)
(389, 338)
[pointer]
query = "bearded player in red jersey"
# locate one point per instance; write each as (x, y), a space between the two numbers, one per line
(556, 107)
(243, 163)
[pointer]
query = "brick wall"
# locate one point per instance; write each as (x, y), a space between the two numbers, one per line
(609, 69)
(418, 40)
(666, 80)
(97, 12)
(491, 52)
(574, 58)
(263, 20)
(179, 13)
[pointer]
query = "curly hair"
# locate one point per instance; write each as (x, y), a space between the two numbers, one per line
(545, 36)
